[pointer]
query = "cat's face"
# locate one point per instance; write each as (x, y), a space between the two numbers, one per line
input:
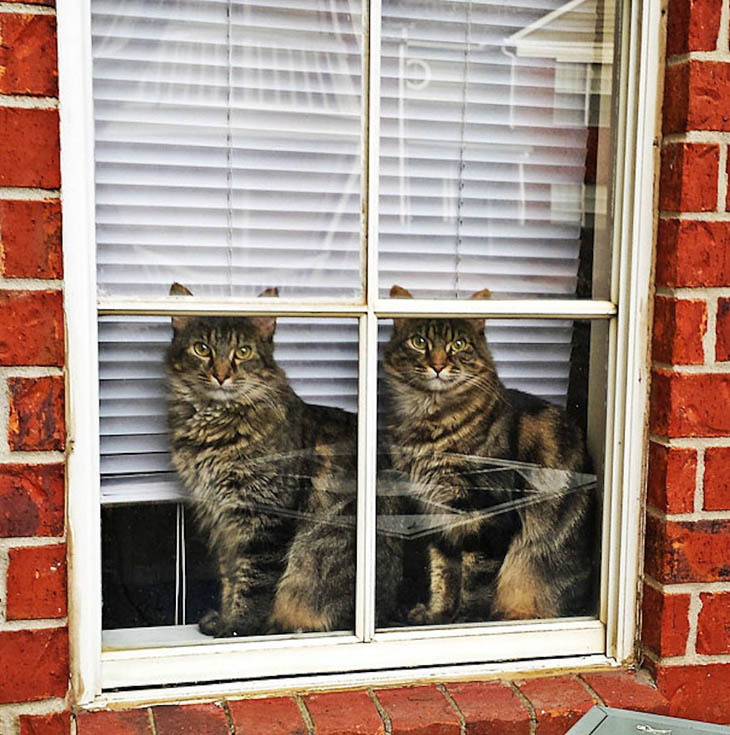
(222, 359)
(437, 355)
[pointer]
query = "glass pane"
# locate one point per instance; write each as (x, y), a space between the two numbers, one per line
(228, 146)
(495, 151)
(229, 473)
(491, 465)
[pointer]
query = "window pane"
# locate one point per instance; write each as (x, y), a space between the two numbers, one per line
(495, 156)
(229, 473)
(492, 454)
(228, 146)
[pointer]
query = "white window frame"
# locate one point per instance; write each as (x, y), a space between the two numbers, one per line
(398, 655)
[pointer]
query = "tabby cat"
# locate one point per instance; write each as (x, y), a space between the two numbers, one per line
(470, 446)
(272, 480)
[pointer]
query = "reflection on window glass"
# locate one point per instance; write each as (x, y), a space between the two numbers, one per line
(496, 485)
(495, 143)
(228, 146)
(201, 410)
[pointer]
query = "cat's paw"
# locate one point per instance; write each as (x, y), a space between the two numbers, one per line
(422, 615)
(418, 615)
(210, 623)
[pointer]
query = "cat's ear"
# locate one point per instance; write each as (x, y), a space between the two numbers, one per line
(179, 321)
(266, 325)
(398, 292)
(478, 323)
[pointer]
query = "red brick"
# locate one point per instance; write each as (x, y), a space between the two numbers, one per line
(190, 719)
(627, 690)
(679, 326)
(676, 104)
(697, 692)
(127, 722)
(672, 478)
(490, 707)
(29, 155)
(281, 715)
(28, 63)
(419, 711)
(31, 500)
(36, 584)
(665, 622)
(344, 713)
(688, 551)
(717, 478)
(695, 97)
(31, 327)
(722, 333)
(36, 414)
(713, 627)
(39, 664)
(688, 178)
(692, 25)
(58, 723)
(559, 702)
(693, 253)
(690, 404)
(30, 239)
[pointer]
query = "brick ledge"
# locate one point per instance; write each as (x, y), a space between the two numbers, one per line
(545, 705)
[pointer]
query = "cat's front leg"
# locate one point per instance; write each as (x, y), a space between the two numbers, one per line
(444, 588)
(247, 585)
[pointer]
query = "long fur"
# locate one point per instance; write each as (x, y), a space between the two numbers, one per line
(503, 463)
(272, 480)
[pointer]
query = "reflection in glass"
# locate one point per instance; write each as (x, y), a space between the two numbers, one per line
(495, 147)
(496, 487)
(266, 470)
(228, 146)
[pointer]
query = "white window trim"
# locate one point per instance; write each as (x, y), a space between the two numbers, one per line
(429, 653)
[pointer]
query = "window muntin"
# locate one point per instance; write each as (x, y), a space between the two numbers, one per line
(368, 312)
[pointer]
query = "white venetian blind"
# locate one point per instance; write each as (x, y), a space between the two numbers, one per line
(484, 143)
(228, 146)
(229, 158)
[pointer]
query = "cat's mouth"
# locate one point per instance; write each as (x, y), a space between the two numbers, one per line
(439, 382)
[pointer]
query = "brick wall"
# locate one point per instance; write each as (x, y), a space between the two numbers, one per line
(686, 621)
(686, 628)
(33, 634)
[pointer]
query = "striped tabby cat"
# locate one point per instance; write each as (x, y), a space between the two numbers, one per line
(272, 480)
(471, 447)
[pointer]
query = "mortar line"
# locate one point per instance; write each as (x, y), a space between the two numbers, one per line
(722, 180)
(699, 497)
(28, 102)
(25, 9)
(709, 338)
(462, 720)
(28, 194)
(229, 717)
(528, 705)
(694, 614)
(723, 35)
(306, 716)
(151, 718)
(596, 697)
(384, 716)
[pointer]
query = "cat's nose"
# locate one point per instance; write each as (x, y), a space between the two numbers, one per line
(220, 376)
(438, 360)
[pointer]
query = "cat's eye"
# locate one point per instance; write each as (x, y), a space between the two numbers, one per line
(201, 349)
(418, 342)
(243, 352)
(458, 344)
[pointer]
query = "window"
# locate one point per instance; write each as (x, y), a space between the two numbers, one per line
(335, 152)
